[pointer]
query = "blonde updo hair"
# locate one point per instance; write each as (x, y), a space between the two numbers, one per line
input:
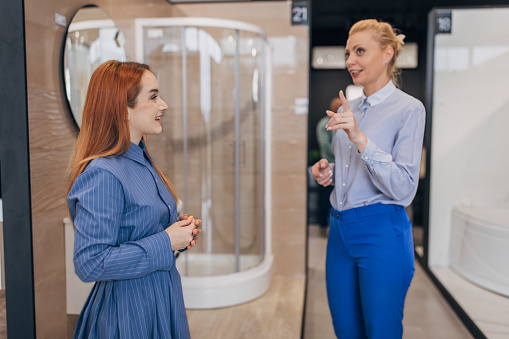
(386, 35)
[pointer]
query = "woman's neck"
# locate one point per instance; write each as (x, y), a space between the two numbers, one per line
(374, 87)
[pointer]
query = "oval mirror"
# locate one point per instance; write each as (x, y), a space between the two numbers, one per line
(92, 38)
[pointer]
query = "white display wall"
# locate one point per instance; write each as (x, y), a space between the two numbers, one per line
(469, 154)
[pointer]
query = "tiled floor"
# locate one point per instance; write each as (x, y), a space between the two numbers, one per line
(489, 311)
(276, 315)
(427, 314)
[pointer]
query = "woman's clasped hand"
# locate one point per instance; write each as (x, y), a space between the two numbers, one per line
(184, 233)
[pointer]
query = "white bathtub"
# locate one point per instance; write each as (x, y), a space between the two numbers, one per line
(480, 246)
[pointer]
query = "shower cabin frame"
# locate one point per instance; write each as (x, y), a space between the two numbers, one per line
(241, 286)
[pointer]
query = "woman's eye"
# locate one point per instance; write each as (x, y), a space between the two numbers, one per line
(360, 51)
(154, 97)
(347, 55)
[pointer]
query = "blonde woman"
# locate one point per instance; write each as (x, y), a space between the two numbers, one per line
(377, 146)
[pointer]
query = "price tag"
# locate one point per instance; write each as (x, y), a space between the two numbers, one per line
(300, 13)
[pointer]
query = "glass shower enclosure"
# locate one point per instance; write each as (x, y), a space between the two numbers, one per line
(213, 75)
(468, 242)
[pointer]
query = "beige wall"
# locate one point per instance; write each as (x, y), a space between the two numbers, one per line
(52, 135)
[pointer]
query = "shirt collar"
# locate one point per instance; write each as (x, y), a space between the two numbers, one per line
(136, 152)
(380, 96)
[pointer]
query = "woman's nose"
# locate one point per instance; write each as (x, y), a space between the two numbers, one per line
(349, 60)
(163, 106)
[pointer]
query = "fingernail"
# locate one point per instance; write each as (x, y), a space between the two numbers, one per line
(190, 217)
(330, 172)
(188, 247)
(193, 242)
(195, 231)
(197, 222)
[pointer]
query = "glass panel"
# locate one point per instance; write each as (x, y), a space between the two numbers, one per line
(198, 149)
(251, 50)
(469, 120)
(163, 53)
(197, 84)
(211, 171)
(469, 190)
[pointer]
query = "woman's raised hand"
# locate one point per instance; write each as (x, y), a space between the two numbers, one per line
(346, 121)
(184, 233)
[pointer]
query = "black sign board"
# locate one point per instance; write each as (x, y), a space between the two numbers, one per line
(300, 13)
(443, 22)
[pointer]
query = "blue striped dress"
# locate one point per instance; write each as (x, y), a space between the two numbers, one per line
(120, 208)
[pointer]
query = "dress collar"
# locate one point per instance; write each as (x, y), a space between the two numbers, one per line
(136, 152)
(380, 96)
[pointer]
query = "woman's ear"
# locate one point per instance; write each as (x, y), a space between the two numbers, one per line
(388, 54)
(128, 113)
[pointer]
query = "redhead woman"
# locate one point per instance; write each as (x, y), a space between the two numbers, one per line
(124, 212)
(377, 145)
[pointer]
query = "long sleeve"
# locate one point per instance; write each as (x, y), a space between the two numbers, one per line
(396, 175)
(98, 201)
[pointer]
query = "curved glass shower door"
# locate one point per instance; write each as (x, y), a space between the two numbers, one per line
(211, 74)
(251, 73)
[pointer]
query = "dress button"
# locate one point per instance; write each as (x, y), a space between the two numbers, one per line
(346, 165)
(341, 203)
(343, 184)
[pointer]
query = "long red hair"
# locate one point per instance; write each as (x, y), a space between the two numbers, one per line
(113, 87)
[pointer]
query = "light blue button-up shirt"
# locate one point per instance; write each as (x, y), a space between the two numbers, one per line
(387, 171)
(120, 208)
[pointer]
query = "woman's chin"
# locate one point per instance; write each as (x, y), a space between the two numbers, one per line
(357, 81)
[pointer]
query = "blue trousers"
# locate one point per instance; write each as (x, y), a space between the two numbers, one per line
(369, 267)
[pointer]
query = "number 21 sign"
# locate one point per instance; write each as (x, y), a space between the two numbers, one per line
(300, 13)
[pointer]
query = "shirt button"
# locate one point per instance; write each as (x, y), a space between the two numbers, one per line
(343, 184)
(346, 165)
(366, 158)
(350, 147)
(341, 203)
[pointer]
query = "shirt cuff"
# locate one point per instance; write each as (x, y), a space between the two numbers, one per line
(158, 247)
(373, 154)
